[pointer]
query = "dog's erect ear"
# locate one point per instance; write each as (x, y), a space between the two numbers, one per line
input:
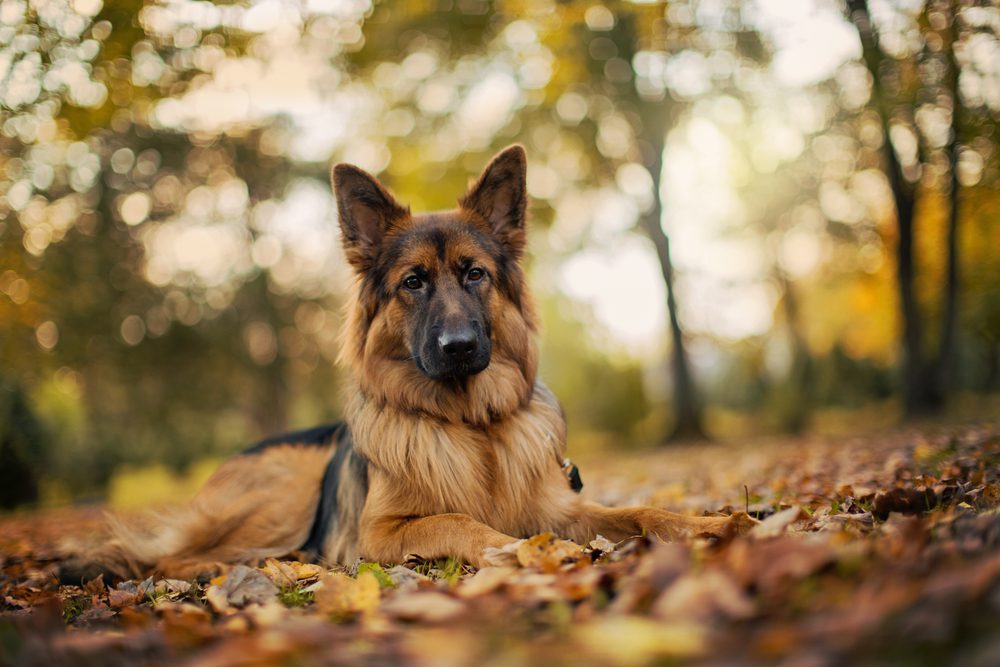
(499, 196)
(367, 211)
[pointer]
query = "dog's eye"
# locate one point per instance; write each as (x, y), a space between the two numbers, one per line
(413, 283)
(475, 274)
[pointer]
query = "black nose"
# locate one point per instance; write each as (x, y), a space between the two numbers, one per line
(458, 342)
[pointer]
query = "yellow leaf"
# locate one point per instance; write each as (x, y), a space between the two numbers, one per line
(305, 570)
(630, 640)
(344, 598)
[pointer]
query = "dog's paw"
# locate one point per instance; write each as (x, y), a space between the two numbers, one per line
(505, 556)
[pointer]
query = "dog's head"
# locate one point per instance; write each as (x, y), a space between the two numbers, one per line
(439, 294)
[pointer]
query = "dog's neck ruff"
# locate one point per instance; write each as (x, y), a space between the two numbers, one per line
(496, 474)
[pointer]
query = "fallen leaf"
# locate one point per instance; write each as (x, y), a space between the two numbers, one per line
(427, 606)
(406, 579)
(547, 553)
(602, 545)
(288, 573)
(217, 598)
(703, 597)
(630, 640)
(344, 598)
(505, 556)
(904, 501)
(118, 598)
(776, 524)
(172, 587)
(384, 579)
(242, 586)
(485, 581)
(280, 573)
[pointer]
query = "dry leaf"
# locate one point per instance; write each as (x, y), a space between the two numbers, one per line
(280, 573)
(428, 606)
(547, 553)
(776, 524)
(242, 586)
(288, 573)
(904, 501)
(217, 598)
(406, 579)
(505, 556)
(118, 598)
(703, 597)
(485, 581)
(602, 545)
(345, 598)
(630, 640)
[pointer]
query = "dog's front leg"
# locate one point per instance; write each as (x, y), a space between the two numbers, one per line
(618, 523)
(392, 539)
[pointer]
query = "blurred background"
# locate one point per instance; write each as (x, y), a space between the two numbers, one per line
(747, 217)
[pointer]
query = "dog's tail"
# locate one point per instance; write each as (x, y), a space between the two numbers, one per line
(259, 504)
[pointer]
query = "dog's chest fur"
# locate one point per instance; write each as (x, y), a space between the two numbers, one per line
(506, 475)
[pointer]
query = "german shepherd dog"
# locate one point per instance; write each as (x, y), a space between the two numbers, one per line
(451, 446)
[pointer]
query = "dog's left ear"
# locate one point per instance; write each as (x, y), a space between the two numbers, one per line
(499, 197)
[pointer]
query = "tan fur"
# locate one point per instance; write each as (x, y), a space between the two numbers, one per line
(252, 507)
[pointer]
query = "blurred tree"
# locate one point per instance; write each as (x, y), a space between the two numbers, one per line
(23, 448)
(906, 90)
(629, 47)
(129, 258)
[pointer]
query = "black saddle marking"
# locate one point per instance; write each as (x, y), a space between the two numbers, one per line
(346, 461)
(318, 436)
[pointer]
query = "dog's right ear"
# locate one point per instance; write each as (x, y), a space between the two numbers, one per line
(366, 210)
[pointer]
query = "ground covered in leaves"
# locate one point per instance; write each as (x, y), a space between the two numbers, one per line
(872, 551)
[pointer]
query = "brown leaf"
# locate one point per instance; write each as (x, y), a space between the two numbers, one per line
(217, 598)
(602, 545)
(703, 597)
(173, 587)
(548, 553)
(406, 579)
(118, 597)
(96, 586)
(904, 501)
(281, 574)
(485, 581)
(426, 606)
(579, 584)
(242, 586)
(185, 624)
(772, 564)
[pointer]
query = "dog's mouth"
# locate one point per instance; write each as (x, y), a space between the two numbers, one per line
(456, 370)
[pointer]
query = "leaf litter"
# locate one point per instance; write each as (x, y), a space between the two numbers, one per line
(874, 550)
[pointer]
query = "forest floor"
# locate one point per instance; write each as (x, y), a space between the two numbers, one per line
(874, 550)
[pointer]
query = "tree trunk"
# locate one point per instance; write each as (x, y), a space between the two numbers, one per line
(795, 413)
(918, 392)
(687, 407)
(949, 323)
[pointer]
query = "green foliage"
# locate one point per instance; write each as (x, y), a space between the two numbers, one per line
(383, 579)
(295, 596)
